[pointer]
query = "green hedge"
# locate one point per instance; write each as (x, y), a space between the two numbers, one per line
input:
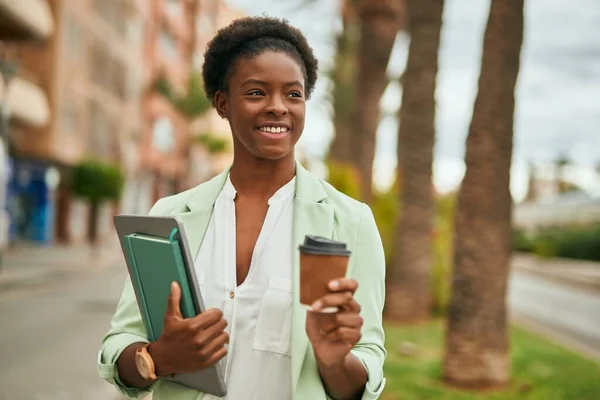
(97, 181)
(581, 243)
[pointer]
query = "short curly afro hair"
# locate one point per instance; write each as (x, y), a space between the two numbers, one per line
(250, 37)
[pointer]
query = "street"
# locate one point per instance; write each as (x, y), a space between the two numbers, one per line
(51, 333)
(565, 311)
(51, 330)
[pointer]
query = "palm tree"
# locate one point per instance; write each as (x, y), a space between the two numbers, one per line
(409, 278)
(343, 77)
(380, 22)
(477, 343)
(363, 52)
(560, 165)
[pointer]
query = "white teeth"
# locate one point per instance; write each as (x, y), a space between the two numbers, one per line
(273, 129)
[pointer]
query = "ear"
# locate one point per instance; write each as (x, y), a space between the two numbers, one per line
(222, 104)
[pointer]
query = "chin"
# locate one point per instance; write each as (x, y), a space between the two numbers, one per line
(273, 154)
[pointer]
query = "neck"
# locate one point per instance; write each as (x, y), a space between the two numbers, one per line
(262, 178)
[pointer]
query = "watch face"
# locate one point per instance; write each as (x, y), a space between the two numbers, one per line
(142, 366)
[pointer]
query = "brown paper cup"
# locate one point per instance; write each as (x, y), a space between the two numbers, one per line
(316, 271)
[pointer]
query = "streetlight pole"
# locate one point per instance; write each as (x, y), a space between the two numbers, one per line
(7, 71)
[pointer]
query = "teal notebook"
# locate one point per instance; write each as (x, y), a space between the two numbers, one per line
(154, 263)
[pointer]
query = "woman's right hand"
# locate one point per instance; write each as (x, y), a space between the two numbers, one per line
(188, 345)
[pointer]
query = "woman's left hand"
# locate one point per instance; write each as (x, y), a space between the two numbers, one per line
(333, 335)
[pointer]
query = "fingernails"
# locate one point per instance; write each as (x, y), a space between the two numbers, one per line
(317, 305)
(334, 285)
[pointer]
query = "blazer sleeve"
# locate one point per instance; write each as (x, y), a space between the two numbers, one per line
(126, 328)
(369, 271)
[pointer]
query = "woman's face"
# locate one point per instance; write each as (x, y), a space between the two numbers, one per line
(265, 105)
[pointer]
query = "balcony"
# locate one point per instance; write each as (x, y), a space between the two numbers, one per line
(25, 20)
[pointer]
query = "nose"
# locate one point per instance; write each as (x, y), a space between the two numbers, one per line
(276, 106)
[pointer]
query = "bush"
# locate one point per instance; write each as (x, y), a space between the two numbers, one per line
(545, 246)
(193, 104)
(344, 177)
(521, 241)
(213, 144)
(96, 181)
(578, 243)
(385, 207)
(581, 243)
(386, 210)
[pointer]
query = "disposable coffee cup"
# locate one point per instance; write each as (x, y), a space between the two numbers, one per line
(321, 261)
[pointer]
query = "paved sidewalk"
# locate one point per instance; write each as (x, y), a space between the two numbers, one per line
(581, 274)
(29, 264)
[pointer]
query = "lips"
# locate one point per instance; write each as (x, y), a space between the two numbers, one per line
(274, 130)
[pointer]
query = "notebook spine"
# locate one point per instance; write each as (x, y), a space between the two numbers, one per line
(137, 285)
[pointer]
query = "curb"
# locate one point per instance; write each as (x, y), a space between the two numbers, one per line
(557, 338)
(566, 277)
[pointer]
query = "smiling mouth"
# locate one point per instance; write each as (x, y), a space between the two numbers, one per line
(274, 132)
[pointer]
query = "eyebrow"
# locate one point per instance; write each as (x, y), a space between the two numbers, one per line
(264, 83)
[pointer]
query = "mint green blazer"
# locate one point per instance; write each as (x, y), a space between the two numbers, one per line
(319, 209)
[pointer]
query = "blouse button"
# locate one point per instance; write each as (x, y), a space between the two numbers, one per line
(231, 295)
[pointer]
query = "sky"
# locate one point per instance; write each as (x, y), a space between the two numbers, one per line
(557, 96)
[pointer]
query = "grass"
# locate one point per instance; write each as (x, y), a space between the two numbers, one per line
(541, 370)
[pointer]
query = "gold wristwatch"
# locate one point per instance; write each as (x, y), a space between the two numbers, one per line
(144, 363)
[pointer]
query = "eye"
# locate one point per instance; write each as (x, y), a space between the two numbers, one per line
(255, 93)
(295, 94)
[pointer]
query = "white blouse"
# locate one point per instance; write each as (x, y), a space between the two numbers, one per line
(258, 311)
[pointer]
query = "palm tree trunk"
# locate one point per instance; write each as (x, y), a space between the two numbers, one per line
(409, 293)
(344, 81)
(477, 346)
(379, 24)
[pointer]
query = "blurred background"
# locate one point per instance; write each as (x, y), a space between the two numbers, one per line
(469, 127)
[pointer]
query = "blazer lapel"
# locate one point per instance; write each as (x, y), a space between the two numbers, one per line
(199, 211)
(311, 217)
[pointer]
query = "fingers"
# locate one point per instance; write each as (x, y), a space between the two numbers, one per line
(216, 356)
(206, 336)
(206, 319)
(173, 301)
(208, 352)
(342, 296)
(344, 300)
(331, 322)
(344, 334)
(344, 284)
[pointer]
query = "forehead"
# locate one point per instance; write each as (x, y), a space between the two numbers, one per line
(269, 66)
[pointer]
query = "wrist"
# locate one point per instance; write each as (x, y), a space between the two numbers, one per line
(161, 366)
(337, 366)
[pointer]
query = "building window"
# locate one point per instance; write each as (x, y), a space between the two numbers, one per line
(135, 32)
(108, 71)
(100, 63)
(118, 74)
(114, 13)
(163, 136)
(99, 140)
(69, 116)
(134, 85)
(205, 26)
(72, 37)
(174, 8)
(168, 44)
